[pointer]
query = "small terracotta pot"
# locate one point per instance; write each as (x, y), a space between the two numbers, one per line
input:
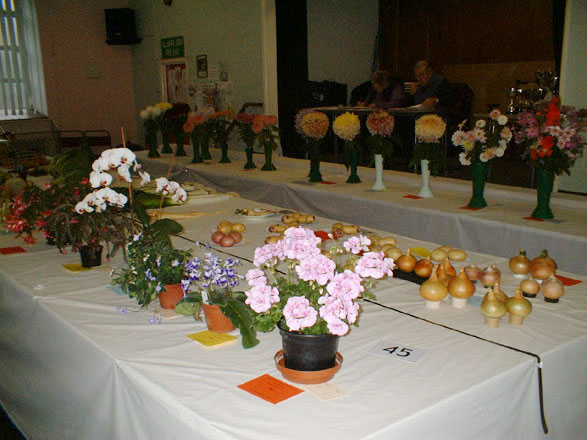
(216, 320)
(171, 296)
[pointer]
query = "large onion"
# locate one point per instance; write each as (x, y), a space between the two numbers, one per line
(406, 262)
(530, 287)
(461, 286)
(518, 307)
(433, 291)
(552, 289)
(542, 270)
(520, 265)
(544, 258)
(423, 268)
(490, 275)
(493, 309)
(473, 272)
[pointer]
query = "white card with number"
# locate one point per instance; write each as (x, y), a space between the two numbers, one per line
(397, 351)
(325, 391)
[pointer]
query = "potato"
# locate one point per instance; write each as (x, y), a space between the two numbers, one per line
(387, 240)
(351, 229)
(236, 236)
(227, 241)
(289, 219)
(272, 239)
(277, 228)
(217, 236)
(385, 247)
(238, 227)
(225, 228)
(374, 239)
(308, 219)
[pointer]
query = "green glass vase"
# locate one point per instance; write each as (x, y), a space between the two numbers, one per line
(354, 177)
(224, 153)
(545, 182)
(165, 139)
(196, 145)
(315, 175)
(479, 177)
(249, 165)
(151, 139)
(268, 166)
(179, 138)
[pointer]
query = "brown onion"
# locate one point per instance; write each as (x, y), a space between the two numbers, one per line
(461, 286)
(520, 265)
(544, 258)
(406, 262)
(448, 268)
(490, 275)
(433, 290)
(423, 268)
(542, 270)
(473, 272)
(530, 287)
(493, 309)
(518, 307)
(552, 289)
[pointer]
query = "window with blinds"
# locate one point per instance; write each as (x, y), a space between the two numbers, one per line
(21, 77)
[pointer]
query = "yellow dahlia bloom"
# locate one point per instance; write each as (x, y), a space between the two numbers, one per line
(164, 106)
(430, 128)
(347, 126)
(315, 125)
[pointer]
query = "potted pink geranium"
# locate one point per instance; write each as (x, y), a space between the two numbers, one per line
(317, 300)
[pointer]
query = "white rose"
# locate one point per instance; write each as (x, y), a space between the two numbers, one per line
(502, 120)
(145, 114)
(480, 123)
(499, 151)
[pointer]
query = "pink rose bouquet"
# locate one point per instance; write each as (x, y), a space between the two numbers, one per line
(317, 293)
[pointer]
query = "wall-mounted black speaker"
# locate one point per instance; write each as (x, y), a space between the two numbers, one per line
(120, 26)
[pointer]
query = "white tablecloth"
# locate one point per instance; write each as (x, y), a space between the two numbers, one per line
(74, 367)
(500, 229)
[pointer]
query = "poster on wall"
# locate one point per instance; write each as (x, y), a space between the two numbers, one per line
(202, 64)
(174, 80)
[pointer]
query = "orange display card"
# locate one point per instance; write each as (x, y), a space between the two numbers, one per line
(270, 389)
(533, 219)
(11, 250)
(327, 182)
(469, 208)
(568, 281)
(412, 196)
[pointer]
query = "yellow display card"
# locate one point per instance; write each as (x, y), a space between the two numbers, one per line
(211, 339)
(423, 252)
(76, 267)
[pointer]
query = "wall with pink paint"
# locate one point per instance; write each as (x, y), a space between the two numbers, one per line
(73, 34)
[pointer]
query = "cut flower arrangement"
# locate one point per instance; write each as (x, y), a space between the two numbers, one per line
(429, 130)
(315, 296)
(486, 141)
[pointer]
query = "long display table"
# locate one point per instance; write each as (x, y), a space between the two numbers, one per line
(500, 229)
(77, 362)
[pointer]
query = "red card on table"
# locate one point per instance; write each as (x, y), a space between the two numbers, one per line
(322, 234)
(326, 182)
(568, 281)
(11, 250)
(469, 208)
(412, 196)
(533, 219)
(270, 389)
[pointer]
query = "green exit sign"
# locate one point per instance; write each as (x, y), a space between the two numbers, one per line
(172, 47)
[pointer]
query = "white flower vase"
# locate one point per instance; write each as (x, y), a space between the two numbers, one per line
(425, 191)
(378, 185)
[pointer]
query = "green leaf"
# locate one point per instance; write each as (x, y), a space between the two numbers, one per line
(165, 227)
(141, 214)
(240, 316)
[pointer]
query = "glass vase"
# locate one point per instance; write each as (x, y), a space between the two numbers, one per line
(165, 138)
(249, 165)
(425, 191)
(179, 138)
(545, 182)
(151, 139)
(354, 177)
(378, 185)
(315, 175)
(196, 145)
(478, 179)
(224, 150)
(268, 166)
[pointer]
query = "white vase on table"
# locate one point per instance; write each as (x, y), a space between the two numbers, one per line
(378, 185)
(425, 191)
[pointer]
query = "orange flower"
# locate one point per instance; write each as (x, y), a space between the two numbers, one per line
(198, 119)
(188, 127)
(547, 142)
(257, 126)
(270, 120)
(259, 119)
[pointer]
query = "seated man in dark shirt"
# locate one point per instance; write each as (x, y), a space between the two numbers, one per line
(385, 92)
(430, 90)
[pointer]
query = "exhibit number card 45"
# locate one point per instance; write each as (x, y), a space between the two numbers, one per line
(397, 351)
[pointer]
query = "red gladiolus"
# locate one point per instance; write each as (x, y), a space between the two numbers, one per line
(547, 142)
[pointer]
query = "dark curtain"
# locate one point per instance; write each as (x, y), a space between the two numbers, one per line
(292, 69)
(558, 29)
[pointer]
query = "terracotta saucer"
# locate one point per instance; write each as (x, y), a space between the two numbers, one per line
(307, 377)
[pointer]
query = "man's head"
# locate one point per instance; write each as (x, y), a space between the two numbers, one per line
(380, 80)
(423, 72)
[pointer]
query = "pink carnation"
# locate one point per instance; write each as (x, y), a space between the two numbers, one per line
(298, 313)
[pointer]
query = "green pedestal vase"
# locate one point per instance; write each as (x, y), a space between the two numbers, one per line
(196, 145)
(268, 166)
(179, 138)
(479, 176)
(354, 177)
(224, 153)
(250, 164)
(151, 139)
(545, 181)
(165, 138)
(315, 175)
(204, 151)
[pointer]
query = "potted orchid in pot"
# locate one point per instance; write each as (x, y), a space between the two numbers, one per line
(486, 141)
(316, 300)
(209, 286)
